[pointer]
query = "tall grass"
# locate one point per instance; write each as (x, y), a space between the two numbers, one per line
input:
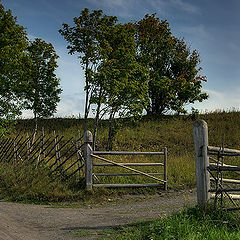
(194, 223)
(150, 134)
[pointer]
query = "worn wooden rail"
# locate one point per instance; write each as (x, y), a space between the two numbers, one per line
(204, 169)
(90, 155)
(59, 154)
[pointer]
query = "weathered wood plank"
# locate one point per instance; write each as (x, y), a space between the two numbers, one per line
(128, 185)
(225, 190)
(127, 164)
(131, 169)
(227, 151)
(165, 168)
(126, 153)
(88, 139)
(200, 133)
(213, 167)
(126, 174)
(233, 196)
(228, 180)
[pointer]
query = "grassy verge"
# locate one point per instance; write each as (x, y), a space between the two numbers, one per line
(194, 223)
(150, 134)
(25, 183)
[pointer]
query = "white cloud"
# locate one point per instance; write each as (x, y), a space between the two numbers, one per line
(27, 114)
(197, 31)
(188, 7)
(70, 105)
(164, 6)
(122, 8)
(224, 100)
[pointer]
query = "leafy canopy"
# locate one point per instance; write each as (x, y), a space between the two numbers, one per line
(13, 44)
(86, 38)
(121, 81)
(174, 72)
(41, 92)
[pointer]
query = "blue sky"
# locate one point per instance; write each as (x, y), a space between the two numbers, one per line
(210, 26)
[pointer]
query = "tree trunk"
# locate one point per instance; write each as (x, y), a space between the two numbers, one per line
(96, 122)
(36, 122)
(86, 98)
(110, 132)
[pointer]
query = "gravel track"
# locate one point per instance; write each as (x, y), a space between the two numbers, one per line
(43, 222)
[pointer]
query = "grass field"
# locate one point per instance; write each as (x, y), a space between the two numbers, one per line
(190, 224)
(150, 134)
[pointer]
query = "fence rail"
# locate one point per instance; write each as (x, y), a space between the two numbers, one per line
(227, 152)
(90, 155)
(58, 153)
(205, 169)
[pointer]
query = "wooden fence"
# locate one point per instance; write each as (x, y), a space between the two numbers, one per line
(59, 154)
(90, 155)
(210, 167)
(69, 157)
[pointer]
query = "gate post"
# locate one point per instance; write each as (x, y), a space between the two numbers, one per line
(165, 168)
(87, 139)
(200, 133)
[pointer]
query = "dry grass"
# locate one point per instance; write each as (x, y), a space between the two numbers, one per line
(151, 134)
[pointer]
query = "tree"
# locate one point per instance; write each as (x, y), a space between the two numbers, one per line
(120, 84)
(13, 44)
(174, 72)
(114, 80)
(84, 38)
(40, 90)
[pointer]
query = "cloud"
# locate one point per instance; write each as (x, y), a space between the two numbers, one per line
(219, 100)
(121, 8)
(183, 5)
(196, 31)
(70, 105)
(166, 6)
(27, 114)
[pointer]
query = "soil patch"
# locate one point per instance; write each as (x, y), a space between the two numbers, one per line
(28, 222)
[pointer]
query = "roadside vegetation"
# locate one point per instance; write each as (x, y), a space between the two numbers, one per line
(22, 182)
(190, 223)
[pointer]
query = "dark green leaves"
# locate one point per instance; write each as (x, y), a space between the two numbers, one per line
(174, 80)
(41, 93)
(13, 44)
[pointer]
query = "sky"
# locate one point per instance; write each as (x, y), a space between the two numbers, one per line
(209, 26)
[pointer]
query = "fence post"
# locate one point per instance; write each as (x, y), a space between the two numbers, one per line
(200, 133)
(165, 168)
(87, 138)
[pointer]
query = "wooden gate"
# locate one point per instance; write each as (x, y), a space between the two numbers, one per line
(90, 155)
(210, 162)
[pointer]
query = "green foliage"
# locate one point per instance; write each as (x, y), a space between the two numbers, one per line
(27, 78)
(86, 39)
(190, 223)
(40, 89)
(174, 79)
(13, 44)
(121, 82)
(25, 182)
(115, 82)
(149, 134)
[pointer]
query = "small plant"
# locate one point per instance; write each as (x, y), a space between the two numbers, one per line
(191, 223)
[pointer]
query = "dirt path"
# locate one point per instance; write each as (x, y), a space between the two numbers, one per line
(37, 222)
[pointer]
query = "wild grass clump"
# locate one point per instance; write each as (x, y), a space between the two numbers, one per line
(194, 223)
(149, 134)
(25, 182)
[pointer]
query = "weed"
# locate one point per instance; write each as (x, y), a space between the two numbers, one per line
(191, 223)
(150, 134)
